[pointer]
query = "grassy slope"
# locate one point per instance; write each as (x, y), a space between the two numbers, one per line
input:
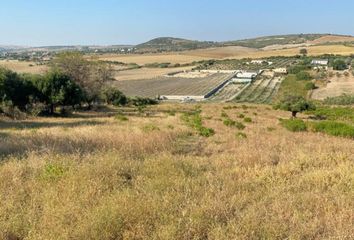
(291, 86)
(154, 178)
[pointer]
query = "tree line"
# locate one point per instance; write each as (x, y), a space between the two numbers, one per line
(72, 81)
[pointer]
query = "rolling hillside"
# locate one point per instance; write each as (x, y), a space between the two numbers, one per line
(167, 44)
(164, 44)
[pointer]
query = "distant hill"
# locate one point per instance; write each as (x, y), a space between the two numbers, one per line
(262, 42)
(170, 44)
(164, 44)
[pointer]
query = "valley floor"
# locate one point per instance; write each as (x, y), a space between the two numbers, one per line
(149, 175)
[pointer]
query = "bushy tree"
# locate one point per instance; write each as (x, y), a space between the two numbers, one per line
(58, 90)
(16, 89)
(115, 97)
(303, 51)
(303, 76)
(295, 104)
(91, 75)
(339, 65)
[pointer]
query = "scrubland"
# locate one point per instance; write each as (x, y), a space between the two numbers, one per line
(150, 175)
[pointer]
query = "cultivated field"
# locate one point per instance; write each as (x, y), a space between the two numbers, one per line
(260, 91)
(146, 73)
(23, 67)
(153, 177)
(225, 53)
(172, 86)
(142, 59)
(335, 87)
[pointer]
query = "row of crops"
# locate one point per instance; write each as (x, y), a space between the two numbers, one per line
(260, 91)
(176, 86)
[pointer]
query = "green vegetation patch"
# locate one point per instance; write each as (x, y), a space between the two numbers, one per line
(335, 113)
(290, 86)
(294, 125)
(195, 121)
(344, 99)
(334, 128)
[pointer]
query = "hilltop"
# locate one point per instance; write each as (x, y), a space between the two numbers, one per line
(163, 44)
(279, 41)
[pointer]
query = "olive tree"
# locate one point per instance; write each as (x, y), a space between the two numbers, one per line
(295, 105)
(90, 74)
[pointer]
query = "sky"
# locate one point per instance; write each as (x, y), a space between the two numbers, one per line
(106, 22)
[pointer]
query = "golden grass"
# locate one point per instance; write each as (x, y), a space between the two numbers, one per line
(23, 67)
(143, 59)
(146, 73)
(224, 53)
(106, 179)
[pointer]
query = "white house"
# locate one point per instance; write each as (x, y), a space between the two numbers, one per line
(280, 70)
(320, 62)
(257, 61)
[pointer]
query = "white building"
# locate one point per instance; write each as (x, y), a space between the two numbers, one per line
(257, 61)
(280, 70)
(320, 62)
(244, 77)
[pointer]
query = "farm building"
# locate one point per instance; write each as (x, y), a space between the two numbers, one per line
(257, 61)
(280, 70)
(261, 62)
(244, 77)
(320, 62)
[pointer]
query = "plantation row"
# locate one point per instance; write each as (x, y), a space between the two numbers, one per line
(260, 91)
(172, 86)
(228, 92)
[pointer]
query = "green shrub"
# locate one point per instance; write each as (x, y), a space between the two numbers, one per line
(310, 86)
(241, 135)
(247, 120)
(229, 122)
(294, 125)
(195, 121)
(121, 117)
(344, 99)
(224, 115)
(303, 76)
(334, 128)
(206, 132)
(53, 171)
(241, 115)
(240, 126)
(114, 96)
(270, 129)
(334, 113)
(150, 128)
(339, 64)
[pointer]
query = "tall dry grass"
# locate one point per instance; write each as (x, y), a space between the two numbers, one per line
(128, 180)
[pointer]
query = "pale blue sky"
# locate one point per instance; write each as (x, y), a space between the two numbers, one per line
(69, 22)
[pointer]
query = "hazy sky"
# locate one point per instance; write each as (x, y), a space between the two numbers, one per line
(68, 22)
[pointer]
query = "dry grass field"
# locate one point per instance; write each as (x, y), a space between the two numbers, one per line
(142, 59)
(146, 73)
(155, 178)
(220, 53)
(23, 67)
(226, 53)
(335, 87)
